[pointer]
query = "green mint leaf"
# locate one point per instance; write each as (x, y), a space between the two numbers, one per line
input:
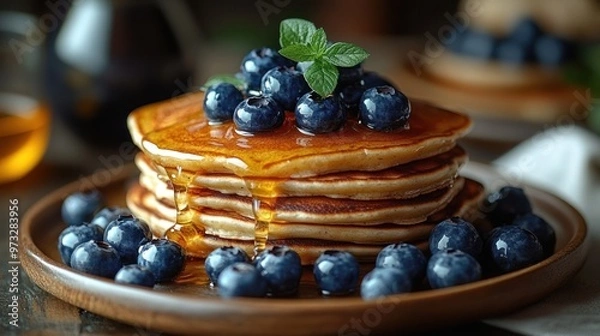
(344, 54)
(322, 77)
(298, 53)
(318, 42)
(237, 82)
(295, 31)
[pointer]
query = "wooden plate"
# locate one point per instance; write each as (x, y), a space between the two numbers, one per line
(195, 309)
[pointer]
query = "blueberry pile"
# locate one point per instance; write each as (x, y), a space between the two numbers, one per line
(275, 86)
(275, 272)
(525, 43)
(109, 242)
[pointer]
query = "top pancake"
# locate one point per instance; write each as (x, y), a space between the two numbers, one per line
(175, 134)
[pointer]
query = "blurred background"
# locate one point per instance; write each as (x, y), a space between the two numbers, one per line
(74, 69)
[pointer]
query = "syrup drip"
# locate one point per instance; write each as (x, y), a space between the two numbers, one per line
(263, 215)
(184, 232)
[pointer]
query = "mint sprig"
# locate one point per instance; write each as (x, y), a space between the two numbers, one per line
(301, 41)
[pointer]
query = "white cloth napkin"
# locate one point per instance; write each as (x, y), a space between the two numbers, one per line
(566, 162)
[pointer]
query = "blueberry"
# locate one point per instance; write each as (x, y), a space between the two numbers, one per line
(220, 101)
(315, 114)
(257, 62)
(126, 234)
(511, 248)
(540, 228)
(96, 258)
(455, 233)
(336, 272)
(479, 44)
(349, 75)
(280, 266)
(503, 205)
(551, 51)
(218, 259)
(372, 79)
(80, 207)
(302, 66)
(406, 257)
(385, 281)
(109, 214)
(241, 279)
(258, 114)
(383, 108)
(285, 86)
(164, 258)
(451, 268)
(349, 97)
(74, 235)
(135, 274)
(525, 32)
(514, 53)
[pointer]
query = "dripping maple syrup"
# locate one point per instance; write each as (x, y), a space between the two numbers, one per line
(176, 134)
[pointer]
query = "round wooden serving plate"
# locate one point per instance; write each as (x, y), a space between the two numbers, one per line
(185, 308)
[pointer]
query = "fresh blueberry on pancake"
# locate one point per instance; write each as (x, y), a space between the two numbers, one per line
(164, 258)
(514, 53)
(220, 101)
(315, 114)
(525, 32)
(336, 272)
(222, 257)
(135, 274)
(349, 75)
(452, 267)
(479, 44)
(96, 258)
(80, 207)
(372, 79)
(241, 280)
(349, 97)
(455, 233)
(109, 214)
(126, 234)
(406, 257)
(258, 114)
(511, 248)
(540, 228)
(385, 281)
(280, 266)
(285, 85)
(74, 235)
(551, 51)
(383, 108)
(257, 62)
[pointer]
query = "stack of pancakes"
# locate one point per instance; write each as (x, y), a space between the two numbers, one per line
(356, 190)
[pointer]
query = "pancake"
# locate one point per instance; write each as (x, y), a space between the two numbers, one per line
(176, 135)
(354, 189)
(319, 209)
(402, 181)
(232, 227)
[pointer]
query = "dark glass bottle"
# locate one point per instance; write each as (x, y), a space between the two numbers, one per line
(111, 56)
